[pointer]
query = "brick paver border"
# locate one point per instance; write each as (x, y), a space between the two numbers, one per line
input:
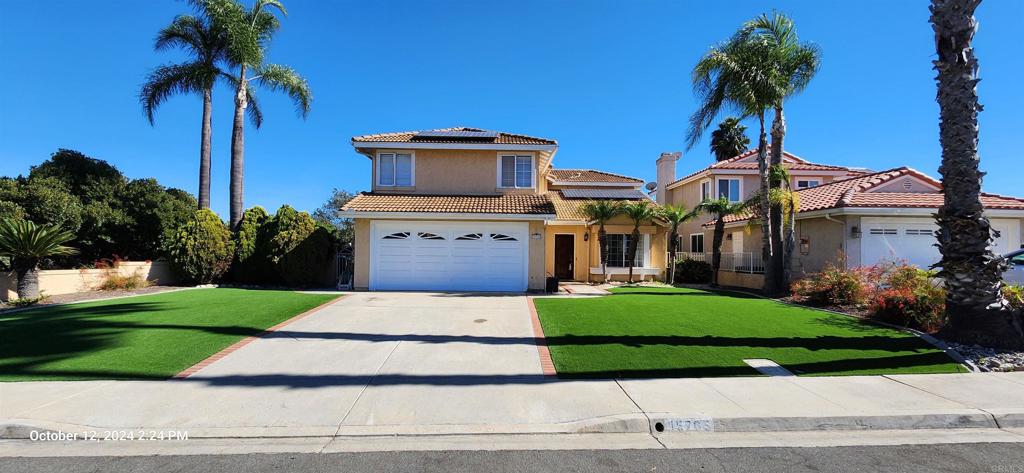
(546, 365)
(247, 340)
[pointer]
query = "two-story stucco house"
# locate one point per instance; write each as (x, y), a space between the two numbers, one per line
(859, 217)
(476, 210)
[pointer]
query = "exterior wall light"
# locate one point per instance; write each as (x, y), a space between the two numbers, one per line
(855, 231)
(586, 236)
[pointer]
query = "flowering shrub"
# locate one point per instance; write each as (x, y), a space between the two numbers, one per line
(911, 297)
(837, 286)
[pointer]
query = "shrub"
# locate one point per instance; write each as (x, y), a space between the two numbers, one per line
(692, 271)
(1014, 295)
(27, 301)
(911, 297)
(252, 249)
(837, 286)
(201, 250)
(113, 280)
(306, 264)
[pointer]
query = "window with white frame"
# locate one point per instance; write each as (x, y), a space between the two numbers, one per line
(618, 251)
(515, 171)
(730, 189)
(705, 190)
(807, 183)
(394, 169)
(697, 243)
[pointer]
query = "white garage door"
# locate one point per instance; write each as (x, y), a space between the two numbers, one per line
(913, 240)
(448, 256)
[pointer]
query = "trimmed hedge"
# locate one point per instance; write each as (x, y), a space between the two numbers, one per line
(692, 272)
(201, 250)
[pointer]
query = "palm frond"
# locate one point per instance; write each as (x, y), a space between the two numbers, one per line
(165, 81)
(25, 239)
(283, 78)
(601, 211)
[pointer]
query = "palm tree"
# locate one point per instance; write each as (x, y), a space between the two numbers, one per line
(788, 200)
(601, 211)
(675, 216)
(972, 273)
(720, 208)
(793, 64)
(27, 243)
(639, 211)
(729, 140)
(740, 74)
(249, 33)
(206, 46)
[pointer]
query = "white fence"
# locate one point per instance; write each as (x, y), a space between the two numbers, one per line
(745, 262)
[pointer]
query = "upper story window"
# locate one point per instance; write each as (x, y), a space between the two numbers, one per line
(705, 190)
(395, 169)
(515, 171)
(730, 189)
(807, 183)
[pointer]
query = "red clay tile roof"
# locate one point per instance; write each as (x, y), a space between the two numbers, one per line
(589, 175)
(789, 161)
(569, 209)
(410, 137)
(852, 193)
(519, 204)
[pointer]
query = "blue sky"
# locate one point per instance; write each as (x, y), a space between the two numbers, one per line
(608, 80)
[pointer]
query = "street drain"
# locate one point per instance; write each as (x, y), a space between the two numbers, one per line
(479, 321)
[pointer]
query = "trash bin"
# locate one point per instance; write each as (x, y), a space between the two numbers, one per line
(552, 285)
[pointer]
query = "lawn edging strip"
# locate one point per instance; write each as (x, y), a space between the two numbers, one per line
(247, 340)
(546, 365)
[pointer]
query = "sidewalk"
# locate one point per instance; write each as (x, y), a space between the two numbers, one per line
(453, 405)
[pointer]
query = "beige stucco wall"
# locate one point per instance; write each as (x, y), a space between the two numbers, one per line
(361, 274)
(447, 171)
(819, 242)
(749, 281)
(68, 281)
(581, 250)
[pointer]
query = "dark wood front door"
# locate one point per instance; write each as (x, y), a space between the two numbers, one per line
(564, 251)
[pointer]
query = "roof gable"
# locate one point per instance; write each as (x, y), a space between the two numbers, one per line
(453, 135)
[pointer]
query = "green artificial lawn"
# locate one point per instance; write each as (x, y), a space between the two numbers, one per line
(655, 332)
(144, 337)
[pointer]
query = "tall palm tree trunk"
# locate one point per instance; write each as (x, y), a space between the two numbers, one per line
(205, 146)
(972, 273)
(777, 264)
(716, 248)
(789, 247)
(673, 248)
(765, 204)
(238, 151)
(633, 244)
(602, 243)
(27, 271)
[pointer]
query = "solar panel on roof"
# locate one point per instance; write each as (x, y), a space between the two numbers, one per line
(456, 134)
(631, 194)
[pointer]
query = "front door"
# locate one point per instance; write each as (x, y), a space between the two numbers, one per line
(564, 252)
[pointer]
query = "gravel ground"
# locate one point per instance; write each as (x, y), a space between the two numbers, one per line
(991, 359)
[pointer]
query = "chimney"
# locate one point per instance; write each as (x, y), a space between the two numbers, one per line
(666, 174)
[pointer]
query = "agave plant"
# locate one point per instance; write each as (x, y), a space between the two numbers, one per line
(27, 243)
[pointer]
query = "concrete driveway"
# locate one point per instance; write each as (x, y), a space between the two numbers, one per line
(370, 362)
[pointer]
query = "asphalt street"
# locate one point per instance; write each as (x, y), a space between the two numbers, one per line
(973, 458)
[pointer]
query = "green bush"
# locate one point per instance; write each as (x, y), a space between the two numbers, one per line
(1014, 295)
(692, 271)
(252, 263)
(306, 264)
(201, 250)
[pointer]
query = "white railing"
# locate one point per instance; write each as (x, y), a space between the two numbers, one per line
(746, 262)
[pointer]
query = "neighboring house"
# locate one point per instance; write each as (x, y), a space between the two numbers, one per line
(862, 217)
(471, 209)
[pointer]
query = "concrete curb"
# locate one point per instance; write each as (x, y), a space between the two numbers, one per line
(651, 423)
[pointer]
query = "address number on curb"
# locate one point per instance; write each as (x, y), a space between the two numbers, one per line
(685, 424)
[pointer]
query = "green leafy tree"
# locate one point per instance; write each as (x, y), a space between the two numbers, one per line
(600, 212)
(972, 273)
(720, 208)
(26, 244)
(249, 32)
(205, 47)
(739, 74)
(729, 140)
(792, 64)
(201, 250)
(300, 248)
(640, 212)
(675, 216)
(328, 215)
(252, 248)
